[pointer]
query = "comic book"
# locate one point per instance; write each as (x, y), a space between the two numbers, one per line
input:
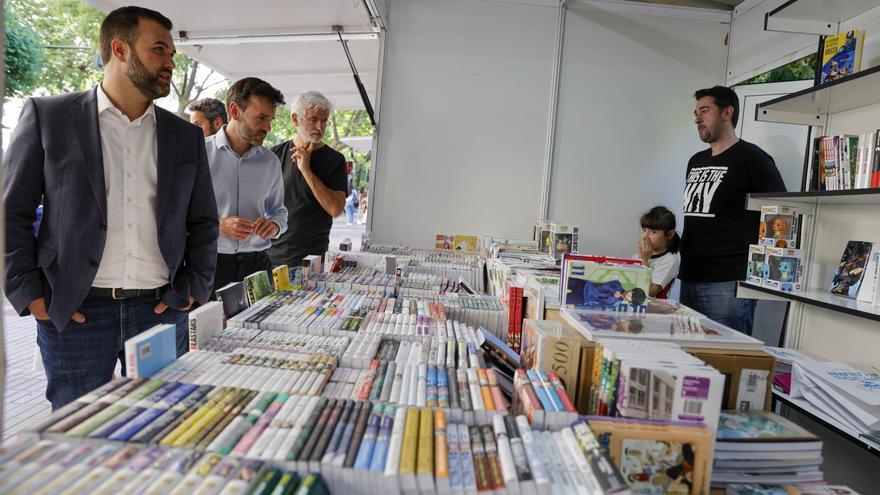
(257, 286)
(604, 286)
(657, 457)
(841, 55)
(851, 269)
(443, 241)
(466, 243)
(688, 331)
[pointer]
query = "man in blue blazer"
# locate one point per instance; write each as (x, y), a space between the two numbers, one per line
(128, 238)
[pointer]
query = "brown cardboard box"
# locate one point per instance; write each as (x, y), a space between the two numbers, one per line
(748, 376)
(585, 377)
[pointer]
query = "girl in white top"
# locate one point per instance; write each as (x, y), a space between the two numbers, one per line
(658, 248)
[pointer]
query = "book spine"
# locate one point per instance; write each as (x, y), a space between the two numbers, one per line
(408, 451)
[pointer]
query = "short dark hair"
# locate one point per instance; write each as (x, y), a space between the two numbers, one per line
(242, 90)
(211, 107)
(724, 97)
(122, 24)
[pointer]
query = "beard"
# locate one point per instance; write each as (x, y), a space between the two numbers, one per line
(251, 136)
(706, 134)
(312, 137)
(146, 82)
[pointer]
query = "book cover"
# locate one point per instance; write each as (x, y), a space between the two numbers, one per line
(657, 458)
(605, 287)
(281, 277)
(443, 241)
(204, 322)
(150, 351)
(761, 426)
(234, 298)
(851, 269)
(868, 290)
(841, 55)
(256, 286)
(466, 243)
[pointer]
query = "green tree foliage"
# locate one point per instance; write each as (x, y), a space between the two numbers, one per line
(24, 57)
(190, 82)
(799, 70)
(68, 32)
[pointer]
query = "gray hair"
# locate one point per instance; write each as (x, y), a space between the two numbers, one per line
(307, 100)
(211, 107)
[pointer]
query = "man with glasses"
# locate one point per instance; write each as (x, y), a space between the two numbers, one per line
(314, 182)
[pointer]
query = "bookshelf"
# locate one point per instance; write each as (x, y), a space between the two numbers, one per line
(815, 297)
(833, 327)
(815, 16)
(822, 417)
(811, 198)
(811, 106)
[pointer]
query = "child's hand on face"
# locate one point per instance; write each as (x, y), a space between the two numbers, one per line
(645, 249)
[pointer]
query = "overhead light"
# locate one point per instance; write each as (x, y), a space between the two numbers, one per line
(185, 39)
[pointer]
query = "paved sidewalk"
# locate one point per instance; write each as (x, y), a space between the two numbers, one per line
(24, 398)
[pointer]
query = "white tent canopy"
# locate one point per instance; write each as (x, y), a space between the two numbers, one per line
(292, 44)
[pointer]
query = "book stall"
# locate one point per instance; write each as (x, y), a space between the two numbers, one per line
(485, 369)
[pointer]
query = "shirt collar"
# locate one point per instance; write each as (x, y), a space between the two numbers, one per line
(221, 141)
(104, 104)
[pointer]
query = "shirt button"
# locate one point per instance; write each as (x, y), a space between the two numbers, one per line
(93, 262)
(129, 175)
(129, 199)
(129, 225)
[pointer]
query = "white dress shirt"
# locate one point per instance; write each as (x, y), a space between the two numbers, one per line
(131, 258)
(248, 186)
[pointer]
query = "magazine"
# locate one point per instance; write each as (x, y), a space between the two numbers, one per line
(851, 269)
(688, 331)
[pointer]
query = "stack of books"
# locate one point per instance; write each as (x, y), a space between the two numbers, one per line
(763, 447)
(657, 381)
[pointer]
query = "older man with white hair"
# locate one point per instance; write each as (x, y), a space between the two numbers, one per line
(315, 182)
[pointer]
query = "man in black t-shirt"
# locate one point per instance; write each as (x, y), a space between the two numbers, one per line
(314, 182)
(717, 227)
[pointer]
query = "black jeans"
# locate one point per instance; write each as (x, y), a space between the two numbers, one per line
(235, 267)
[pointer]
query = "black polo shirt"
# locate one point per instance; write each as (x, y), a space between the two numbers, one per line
(308, 224)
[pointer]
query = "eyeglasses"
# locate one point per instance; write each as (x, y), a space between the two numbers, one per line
(314, 121)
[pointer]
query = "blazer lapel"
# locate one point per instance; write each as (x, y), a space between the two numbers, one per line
(164, 162)
(85, 117)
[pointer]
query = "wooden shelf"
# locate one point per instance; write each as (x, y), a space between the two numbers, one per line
(849, 197)
(815, 16)
(804, 407)
(811, 105)
(813, 297)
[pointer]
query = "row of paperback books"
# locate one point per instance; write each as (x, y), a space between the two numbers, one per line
(49, 467)
(654, 381)
(350, 442)
(845, 162)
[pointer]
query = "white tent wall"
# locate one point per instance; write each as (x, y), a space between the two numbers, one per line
(625, 127)
(463, 118)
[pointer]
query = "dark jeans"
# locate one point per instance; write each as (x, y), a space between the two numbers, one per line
(82, 357)
(718, 301)
(235, 267)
